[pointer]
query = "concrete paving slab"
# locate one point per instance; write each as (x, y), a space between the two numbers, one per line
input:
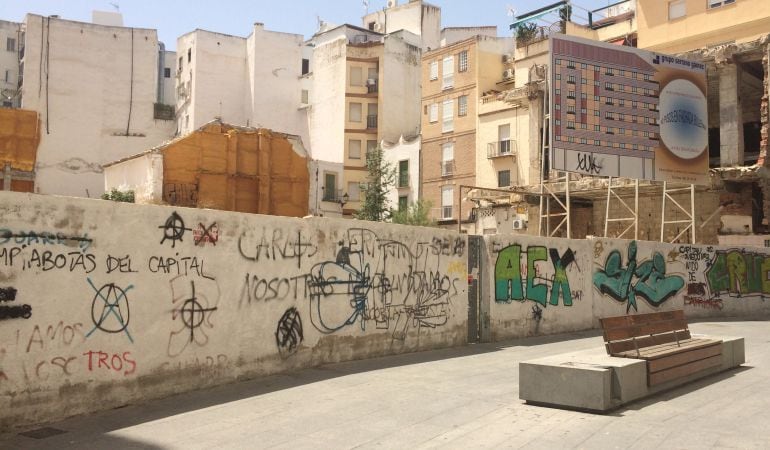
(454, 398)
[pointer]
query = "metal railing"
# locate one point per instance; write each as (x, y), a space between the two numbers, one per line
(332, 195)
(371, 121)
(501, 148)
(403, 179)
(163, 112)
(447, 168)
(371, 88)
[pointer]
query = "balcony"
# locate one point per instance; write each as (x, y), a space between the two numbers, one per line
(500, 149)
(403, 180)
(371, 86)
(332, 195)
(371, 121)
(447, 168)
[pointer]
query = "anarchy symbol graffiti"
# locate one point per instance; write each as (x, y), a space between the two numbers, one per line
(288, 335)
(173, 229)
(109, 309)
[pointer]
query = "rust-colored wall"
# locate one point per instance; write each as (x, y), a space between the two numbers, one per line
(222, 167)
(19, 138)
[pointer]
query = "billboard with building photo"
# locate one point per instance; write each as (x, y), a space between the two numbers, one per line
(623, 112)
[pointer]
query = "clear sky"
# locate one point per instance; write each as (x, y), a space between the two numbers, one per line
(173, 18)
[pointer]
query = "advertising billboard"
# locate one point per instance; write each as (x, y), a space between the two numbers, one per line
(623, 112)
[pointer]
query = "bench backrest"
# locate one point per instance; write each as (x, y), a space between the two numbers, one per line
(625, 333)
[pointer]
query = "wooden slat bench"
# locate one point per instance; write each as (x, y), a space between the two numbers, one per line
(664, 341)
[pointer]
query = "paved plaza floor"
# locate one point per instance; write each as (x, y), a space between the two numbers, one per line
(455, 398)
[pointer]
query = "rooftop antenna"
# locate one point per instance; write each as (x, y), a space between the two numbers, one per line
(116, 6)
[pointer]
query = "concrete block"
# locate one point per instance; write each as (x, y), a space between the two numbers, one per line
(592, 380)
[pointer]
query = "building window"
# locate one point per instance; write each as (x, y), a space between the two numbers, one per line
(463, 63)
(596, 113)
(676, 9)
(305, 97)
(356, 76)
(330, 187)
(583, 126)
(189, 55)
(608, 86)
(7, 76)
(371, 145)
(557, 91)
(558, 76)
(447, 197)
(10, 44)
(571, 94)
(597, 142)
(447, 124)
(354, 149)
(434, 70)
(166, 72)
(179, 66)
(570, 125)
(305, 66)
(371, 25)
(403, 173)
(433, 117)
(354, 114)
(354, 191)
(448, 72)
(583, 96)
(503, 178)
(403, 202)
(597, 128)
(462, 105)
(571, 79)
(447, 159)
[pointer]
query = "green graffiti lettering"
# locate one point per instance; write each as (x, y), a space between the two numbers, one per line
(535, 291)
(508, 275)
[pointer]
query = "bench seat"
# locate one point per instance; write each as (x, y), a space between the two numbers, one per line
(663, 340)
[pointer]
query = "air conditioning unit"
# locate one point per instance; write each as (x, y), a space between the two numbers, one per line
(392, 3)
(507, 58)
(371, 82)
(508, 74)
(519, 224)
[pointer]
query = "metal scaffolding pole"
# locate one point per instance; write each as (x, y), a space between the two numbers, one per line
(690, 220)
(633, 219)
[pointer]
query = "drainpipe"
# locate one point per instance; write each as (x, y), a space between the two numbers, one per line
(161, 52)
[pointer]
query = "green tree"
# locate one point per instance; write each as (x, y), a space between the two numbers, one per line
(381, 176)
(418, 213)
(119, 196)
(525, 32)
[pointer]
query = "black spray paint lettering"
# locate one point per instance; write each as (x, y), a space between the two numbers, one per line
(289, 335)
(588, 162)
(8, 295)
(120, 264)
(186, 265)
(277, 246)
(43, 238)
(256, 289)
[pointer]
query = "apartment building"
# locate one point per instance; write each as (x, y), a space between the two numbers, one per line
(95, 88)
(415, 16)
(364, 90)
(11, 45)
(453, 80)
(252, 81)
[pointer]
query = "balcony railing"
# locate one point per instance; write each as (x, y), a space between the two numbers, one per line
(332, 195)
(371, 121)
(446, 212)
(501, 148)
(403, 179)
(371, 86)
(163, 112)
(447, 168)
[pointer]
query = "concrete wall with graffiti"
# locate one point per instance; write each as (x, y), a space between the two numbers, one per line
(704, 280)
(537, 285)
(103, 304)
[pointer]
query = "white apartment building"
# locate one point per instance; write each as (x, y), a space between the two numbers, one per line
(11, 40)
(252, 81)
(94, 88)
(364, 89)
(404, 156)
(417, 17)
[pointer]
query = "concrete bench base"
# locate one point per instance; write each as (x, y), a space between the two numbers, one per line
(592, 380)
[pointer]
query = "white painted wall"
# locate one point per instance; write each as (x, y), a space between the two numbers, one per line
(327, 113)
(169, 84)
(143, 175)
(400, 87)
(404, 149)
(85, 95)
(450, 35)
(256, 301)
(9, 63)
